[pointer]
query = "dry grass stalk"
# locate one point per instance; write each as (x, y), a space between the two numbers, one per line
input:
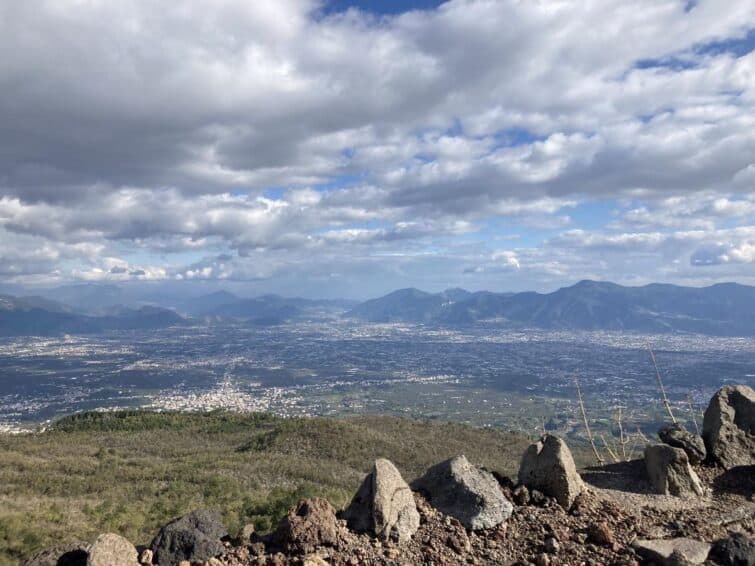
(692, 413)
(666, 402)
(598, 457)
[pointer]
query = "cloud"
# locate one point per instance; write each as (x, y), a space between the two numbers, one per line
(277, 135)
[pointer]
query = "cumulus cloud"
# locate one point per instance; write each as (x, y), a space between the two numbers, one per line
(237, 140)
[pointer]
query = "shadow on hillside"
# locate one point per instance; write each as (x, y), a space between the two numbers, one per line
(739, 480)
(624, 476)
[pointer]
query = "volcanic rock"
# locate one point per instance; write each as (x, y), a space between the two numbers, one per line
(677, 436)
(194, 537)
(729, 426)
(548, 466)
(669, 471)
(473, 496)
(384, 505)
(112, 550)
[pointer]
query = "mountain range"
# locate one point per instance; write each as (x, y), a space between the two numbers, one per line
(725, 309)
(722, 309)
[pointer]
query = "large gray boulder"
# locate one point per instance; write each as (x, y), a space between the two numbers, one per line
(548, 466)
(194, 537)
(677, 436)
(729, 426)
(471, 495)
(670, 473)
(384, 505)
(112, 550)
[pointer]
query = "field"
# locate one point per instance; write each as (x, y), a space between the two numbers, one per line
(132, 471)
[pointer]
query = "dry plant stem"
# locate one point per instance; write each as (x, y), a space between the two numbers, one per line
(660, 385)
(611, 452)
(692, 413)
(623, 440)
(598, 457)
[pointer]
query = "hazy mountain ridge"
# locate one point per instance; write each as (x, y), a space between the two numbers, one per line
(722, 309)
(25, 316)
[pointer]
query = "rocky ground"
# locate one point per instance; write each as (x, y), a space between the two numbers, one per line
(598, 529)
(689, 501)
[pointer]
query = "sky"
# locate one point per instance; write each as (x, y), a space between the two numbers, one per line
(349, 148)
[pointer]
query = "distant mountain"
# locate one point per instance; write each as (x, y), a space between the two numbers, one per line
(723, 309)
(26, 316)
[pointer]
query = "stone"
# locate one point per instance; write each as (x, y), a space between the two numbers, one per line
(661, 551)
(471, 495)
(548, 466)
(74, 554)
(735, 550)
(309, 525)
(314, 560)
(670, 473)
(384, 505)
(729, 426)
(111, 549)
(521, 495)
(601, 534)
(552, 545)
(146, 557)
(677, 436)
(194, 537)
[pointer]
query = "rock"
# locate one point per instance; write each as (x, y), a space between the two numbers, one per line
(551, 545)
(311, 524)
(457, 488)
(542, 559)
(601, 534)
(670, 473)
(729, 426)
(548, 466)
(146, 557)
(314, 560)
(112, 550)
(521, 495)
(74, 554)
(661, 551)
(735, 550)
(194, 537)
(677, 436)
(384, 505)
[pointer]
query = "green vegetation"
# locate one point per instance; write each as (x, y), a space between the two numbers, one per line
(130, 472)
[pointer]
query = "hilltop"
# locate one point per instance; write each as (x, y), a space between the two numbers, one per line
(132, 471)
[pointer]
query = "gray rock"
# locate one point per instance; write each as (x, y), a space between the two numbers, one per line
(729, 426)
(670, 473)
(194, 537)
(548, 466)
(677, 436)
(457, 488)
(662, 551)
(735, 550)
(384, 505)
(74, 554)
(111, 549)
